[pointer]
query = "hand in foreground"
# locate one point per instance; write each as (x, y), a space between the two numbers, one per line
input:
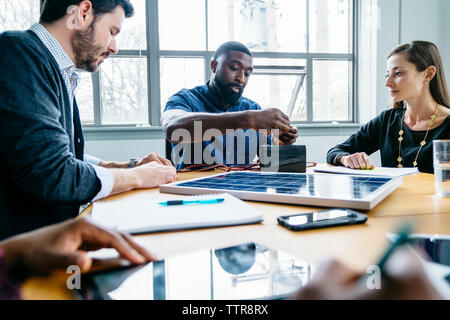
(404, 278)
(358, 160)
(154, 157)
(64, 244)
(154, 174)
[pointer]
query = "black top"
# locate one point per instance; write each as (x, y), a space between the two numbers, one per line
(43, 178)
(382, 133)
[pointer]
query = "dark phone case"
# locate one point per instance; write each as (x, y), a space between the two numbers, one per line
(360, 218)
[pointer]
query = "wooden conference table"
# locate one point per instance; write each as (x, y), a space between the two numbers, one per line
(357, 246)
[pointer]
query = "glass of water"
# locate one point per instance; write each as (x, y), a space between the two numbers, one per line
(441, 159)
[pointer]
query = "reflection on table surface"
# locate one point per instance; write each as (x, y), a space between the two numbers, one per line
(247, 271)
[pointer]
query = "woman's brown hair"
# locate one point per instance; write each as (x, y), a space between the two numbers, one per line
(424, 54)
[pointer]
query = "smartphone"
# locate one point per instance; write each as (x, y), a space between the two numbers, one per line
(321, 219)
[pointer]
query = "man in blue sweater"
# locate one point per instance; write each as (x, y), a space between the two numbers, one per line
(45, 175)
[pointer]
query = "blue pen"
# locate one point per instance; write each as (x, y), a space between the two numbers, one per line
(183, 202)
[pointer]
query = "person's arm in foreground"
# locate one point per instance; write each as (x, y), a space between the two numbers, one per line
(404, 278)
(64, 244)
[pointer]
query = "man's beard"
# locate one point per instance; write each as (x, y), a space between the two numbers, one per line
(226, 94)
(85, 51)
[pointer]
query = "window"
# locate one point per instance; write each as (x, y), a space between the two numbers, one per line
(280, 83)
(124, 91)
(303, 51)
(303, 57)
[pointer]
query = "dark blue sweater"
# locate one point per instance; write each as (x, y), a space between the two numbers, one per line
(43, 178)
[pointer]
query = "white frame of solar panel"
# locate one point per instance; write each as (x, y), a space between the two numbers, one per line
(367, 202)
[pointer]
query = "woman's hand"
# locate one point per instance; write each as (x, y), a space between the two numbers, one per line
(358, 160)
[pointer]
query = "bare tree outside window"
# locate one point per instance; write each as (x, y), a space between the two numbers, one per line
(123, 78)
(124, 91)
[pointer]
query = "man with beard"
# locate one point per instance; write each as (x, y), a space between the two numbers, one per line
(214, 124)
(45, 176)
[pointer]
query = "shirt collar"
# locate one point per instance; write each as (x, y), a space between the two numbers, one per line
(215, 100)
(54, 47)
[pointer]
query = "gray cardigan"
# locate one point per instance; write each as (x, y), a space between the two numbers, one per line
(43, 178)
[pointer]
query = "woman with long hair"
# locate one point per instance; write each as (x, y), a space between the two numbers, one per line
(421, 113)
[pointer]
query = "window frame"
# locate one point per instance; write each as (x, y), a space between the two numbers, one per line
(153, 55)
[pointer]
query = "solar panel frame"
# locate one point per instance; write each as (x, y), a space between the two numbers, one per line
(367, 201)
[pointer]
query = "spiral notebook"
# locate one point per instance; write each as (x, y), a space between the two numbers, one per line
(145, 216)
(378, 171)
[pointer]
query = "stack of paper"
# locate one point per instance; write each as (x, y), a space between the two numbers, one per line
(142, 216)
(378, 171)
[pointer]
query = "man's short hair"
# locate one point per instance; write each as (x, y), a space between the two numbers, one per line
(53, 10)
(231, 46)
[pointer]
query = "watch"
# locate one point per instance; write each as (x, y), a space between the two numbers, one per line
(132, 162)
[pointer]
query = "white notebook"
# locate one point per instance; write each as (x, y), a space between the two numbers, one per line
(143, 216)
(378, 171)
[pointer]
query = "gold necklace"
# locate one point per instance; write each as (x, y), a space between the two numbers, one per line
(422, 144)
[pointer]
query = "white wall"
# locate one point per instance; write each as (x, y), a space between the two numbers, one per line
(427, 20)
(406, 20)
(123, 150)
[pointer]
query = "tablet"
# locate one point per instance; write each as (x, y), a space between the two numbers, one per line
(246, 271)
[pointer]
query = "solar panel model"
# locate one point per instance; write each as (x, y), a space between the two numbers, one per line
(323, 190)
